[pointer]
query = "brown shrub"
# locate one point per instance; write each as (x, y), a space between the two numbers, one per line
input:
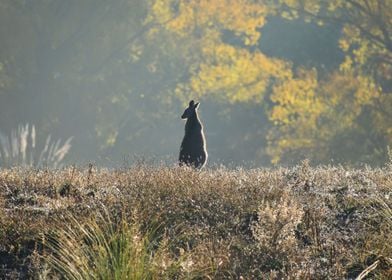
(292, 223)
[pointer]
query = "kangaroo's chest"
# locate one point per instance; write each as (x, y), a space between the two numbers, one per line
(193, 138)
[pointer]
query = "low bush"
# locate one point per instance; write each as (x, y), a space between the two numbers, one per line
(162, 222)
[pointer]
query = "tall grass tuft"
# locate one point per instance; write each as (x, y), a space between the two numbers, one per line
(20, 149)
(101, 248)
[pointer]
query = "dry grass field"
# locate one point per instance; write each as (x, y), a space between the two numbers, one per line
(148, 222)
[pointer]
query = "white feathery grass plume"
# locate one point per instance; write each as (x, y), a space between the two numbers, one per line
(33, 136)
(24, 134)
(63, 150)
(14, 144)
(4, 142)
(33, 141)
(45, 150)
(22, 143)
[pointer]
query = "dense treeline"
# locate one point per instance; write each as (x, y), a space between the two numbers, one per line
(279, 80)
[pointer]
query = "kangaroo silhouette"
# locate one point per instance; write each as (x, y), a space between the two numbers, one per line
(193, 150)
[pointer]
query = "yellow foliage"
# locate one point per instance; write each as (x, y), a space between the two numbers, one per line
(237, 73)
(382, 116)
(309, 113)
(363, 80)
(185, 17)
(233, 73)
(160, 10)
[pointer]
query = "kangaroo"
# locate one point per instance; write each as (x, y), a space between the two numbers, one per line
(193, 150)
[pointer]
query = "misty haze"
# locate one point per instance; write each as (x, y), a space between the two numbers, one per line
(195, 139)
(275, 85)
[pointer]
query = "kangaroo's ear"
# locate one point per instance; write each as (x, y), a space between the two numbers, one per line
(197, 105)
(192, 103)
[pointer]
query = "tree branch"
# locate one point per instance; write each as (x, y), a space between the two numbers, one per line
(365, 32)
(382, 24)
(133, 38)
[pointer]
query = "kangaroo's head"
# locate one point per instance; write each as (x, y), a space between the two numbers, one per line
(191, 110)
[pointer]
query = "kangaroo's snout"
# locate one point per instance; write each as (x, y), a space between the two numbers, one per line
(184, 115)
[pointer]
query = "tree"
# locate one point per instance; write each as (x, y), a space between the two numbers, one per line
(118, 69)
(313, 112)
(349, 108)
(83, 69)
(219, 43)
(314, 117)
(366, 31)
